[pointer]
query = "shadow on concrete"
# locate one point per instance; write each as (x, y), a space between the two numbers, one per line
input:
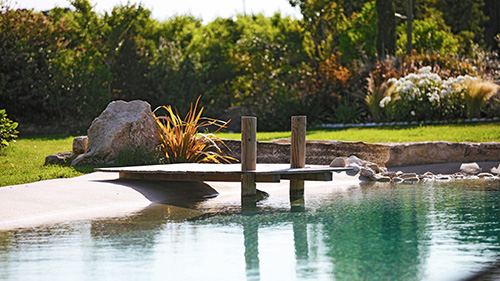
(186, 194)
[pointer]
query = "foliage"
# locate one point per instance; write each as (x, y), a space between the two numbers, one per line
(182, 141)
(428, 37)
(358, 39)
(477, 95)
(374, 97)
(443, 65)
(426, 96)
(8, 131)
(67, 64)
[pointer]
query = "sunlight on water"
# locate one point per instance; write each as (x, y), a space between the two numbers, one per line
(444, 231)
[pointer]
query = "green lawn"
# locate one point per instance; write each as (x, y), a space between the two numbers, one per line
(451, 132)
(22, 161)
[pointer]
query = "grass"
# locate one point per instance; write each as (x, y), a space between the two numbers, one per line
(22, 161)
(452, 132)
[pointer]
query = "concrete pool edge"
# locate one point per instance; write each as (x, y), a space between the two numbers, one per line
(99, 195)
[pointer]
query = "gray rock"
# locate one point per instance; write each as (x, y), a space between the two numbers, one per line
(369, 173)
(485, 175)
(80, 145)
(381, 178)
(397, 179)
(443, 177)
(373, 166)
(470, 168)
(61, 158)
(408, 175)
(496, 170)
(354, 160)
(411, 179)
(338, 162)
(389, 174)
(122, 126)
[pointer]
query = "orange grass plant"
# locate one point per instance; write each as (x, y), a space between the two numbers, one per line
(182, 141)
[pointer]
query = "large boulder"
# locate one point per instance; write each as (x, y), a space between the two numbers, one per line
(122, 126)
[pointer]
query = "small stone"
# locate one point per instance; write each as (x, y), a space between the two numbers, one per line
(60, 158)
(369, 173)
(411, 179)
(485, 175)
(381, 178)
(399, 173)
(429, 174)
(397, 179)
(408, 175)
(354, 160)
(373, 167)
(389, 174)
(496, 170)
(470, 168)
(80, 145)
(443, 177)
(383, 169)
(338, 162)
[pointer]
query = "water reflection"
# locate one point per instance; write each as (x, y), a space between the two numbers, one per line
(382, 232)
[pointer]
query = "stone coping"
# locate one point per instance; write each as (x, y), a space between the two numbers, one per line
(383, 154)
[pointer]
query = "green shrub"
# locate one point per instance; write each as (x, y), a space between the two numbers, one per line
(7, 130)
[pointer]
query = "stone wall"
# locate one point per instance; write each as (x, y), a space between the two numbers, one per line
(388, 155)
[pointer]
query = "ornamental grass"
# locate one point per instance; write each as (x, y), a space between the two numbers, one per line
(477, 95)
(182, 140)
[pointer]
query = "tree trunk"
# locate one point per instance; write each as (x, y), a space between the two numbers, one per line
(386, 36)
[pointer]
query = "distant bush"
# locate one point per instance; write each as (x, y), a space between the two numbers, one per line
(7, 130)
(426, 96)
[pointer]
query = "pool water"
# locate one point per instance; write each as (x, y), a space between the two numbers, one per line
(438, 231)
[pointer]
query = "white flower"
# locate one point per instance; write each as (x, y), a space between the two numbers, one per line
(426, 69)
(384, 101)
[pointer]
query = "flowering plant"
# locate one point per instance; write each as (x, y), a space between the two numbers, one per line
(426, 96)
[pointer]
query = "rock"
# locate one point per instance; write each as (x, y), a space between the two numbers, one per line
(354, 160)
(408, 175)
(389, 174)
(397, 179)
(369, 173)
(61, 158)
(373, 166)
(411, 179)
(443, 177)
(496, 170)
(381, 178)
(338, 162)
(122, 126)
(80, 145)
(470, 168)
(485, 175)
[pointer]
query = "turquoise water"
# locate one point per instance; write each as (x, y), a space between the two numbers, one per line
(442, 231)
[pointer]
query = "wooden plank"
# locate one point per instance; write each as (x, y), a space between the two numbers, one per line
(323, 176)
(262, 169)
(197, 177)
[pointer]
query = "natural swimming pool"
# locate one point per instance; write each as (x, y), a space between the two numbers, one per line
(436, 231)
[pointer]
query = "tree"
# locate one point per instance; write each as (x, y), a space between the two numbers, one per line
(386, 25)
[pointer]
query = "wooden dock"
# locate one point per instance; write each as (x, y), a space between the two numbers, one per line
(224, 172)
(248, 172)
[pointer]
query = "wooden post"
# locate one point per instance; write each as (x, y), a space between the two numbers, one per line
(298, 159)
(248, 156)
